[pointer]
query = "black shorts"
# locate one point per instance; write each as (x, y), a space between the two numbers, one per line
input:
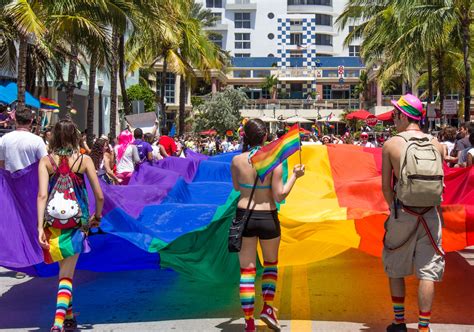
(262, 224)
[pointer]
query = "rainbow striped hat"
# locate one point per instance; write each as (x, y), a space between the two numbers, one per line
(409, 105)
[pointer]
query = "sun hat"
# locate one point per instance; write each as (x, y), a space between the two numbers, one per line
(409, 105)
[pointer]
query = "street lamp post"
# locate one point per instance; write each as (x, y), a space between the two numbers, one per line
(100, 85)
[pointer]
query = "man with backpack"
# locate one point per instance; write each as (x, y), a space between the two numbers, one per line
(412, 184)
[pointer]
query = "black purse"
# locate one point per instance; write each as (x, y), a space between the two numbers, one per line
(238, 225)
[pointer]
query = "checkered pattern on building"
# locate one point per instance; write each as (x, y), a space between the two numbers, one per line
(308, 48)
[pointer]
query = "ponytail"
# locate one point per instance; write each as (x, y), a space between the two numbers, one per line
(254, 133)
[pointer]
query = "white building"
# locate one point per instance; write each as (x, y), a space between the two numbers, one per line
(283, 28)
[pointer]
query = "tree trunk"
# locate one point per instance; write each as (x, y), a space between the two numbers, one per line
(430, 78)
(163, 90)
(182, 104)
(113, 85)
(441, 86)
(123, 88)
(21, 81)
(467, 67)
(71, 77)
(90, 104)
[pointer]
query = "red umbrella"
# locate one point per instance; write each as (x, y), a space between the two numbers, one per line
(359, 115)
(209, 132)
(387, 116)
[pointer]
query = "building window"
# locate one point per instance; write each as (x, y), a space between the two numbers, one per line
(169, 87)
(242, 55)
(242, 73)
(296, 38)
(214, 3)
(242, 40)
(217, 18)
(216, 39)
(271, 36)
(242, 20)
(323, 39)
(354, 50)
(351, 28)
(296, 22)
(326, 91)
(296, 54)
(322, 19)
(261, 73)
(310, 2)
(271, 16)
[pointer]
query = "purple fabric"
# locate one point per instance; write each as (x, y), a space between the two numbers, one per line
(150, 184)
(18, 225)
(190, 154)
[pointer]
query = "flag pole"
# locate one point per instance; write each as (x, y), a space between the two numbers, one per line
(299, 136)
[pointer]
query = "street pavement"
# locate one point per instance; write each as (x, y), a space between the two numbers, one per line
(348, 292)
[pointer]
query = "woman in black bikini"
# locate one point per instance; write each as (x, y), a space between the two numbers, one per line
(263, 224)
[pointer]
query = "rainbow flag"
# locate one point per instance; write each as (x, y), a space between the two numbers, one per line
(270, 156)
(49, 104)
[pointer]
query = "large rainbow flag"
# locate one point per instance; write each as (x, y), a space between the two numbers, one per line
(174, 219)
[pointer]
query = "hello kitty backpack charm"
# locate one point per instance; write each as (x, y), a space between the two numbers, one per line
(63, 210)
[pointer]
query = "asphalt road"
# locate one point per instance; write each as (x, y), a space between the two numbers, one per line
(348, 292)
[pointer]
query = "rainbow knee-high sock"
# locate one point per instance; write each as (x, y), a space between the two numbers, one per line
(247, 291)
(424, 321)
(63, 299)
(69, 313)
(399, 309)
(269, 280)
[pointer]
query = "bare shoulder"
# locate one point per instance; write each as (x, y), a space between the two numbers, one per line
(392, 143)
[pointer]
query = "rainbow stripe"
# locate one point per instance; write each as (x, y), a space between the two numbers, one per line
(63, 300)
(247, 291)
(269, 281)
(47, 103)
(63, 243)
(273, 154)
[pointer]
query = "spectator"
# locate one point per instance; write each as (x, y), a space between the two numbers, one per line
(158, 150)
(463, 144)
(364, 141)
(4, 117)
(21, 148)
(127, 156)
(470, 152)
(167, 142)
(448, 139)
(102, 157)
(145, 151)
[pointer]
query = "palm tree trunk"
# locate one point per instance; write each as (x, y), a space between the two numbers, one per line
(91, 97)
(430, 78)
(113, 85)
(441, 86)
(71, 77)
(467, 67)
(182, 104)
(123, 88)
(163, 90)
(21, 81)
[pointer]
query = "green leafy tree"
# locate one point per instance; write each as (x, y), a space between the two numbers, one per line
(271, 83)
(221, 112)
(142, 92)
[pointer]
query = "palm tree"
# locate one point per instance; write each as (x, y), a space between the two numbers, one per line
(271, 83)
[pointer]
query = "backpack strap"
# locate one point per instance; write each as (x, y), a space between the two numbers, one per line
(53, 164)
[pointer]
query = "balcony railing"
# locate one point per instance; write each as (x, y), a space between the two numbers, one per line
(303, 104)
(297, 72)
(241, 5)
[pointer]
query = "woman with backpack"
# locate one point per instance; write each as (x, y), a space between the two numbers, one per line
(63, 212)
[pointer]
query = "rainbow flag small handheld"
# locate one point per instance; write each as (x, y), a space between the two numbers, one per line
(270, 156)
(49, 104)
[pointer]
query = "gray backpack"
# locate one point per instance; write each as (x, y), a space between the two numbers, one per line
(420, 182)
